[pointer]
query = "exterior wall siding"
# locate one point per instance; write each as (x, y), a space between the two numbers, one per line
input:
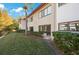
(68, 12)
(46, 20)
(65, 13)
(22, 25)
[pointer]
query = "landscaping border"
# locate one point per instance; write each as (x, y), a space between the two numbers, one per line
(67, 41)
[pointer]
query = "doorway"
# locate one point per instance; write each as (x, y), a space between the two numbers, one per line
(31, 29)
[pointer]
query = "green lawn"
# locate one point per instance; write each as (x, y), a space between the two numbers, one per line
(18, 44)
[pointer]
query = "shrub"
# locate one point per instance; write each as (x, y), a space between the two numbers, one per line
(67, 41)
(21, 31)
(37, 33)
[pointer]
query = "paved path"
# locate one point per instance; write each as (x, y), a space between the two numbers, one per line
(3, 35)
(52, 45)
(55, 50)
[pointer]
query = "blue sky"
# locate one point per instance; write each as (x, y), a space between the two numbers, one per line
(16, 9)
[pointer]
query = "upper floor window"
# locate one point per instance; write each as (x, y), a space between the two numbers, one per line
(45, 12)
(31, 19)
(49, 9)
(42, 13)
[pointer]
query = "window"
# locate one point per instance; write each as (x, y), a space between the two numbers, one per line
(40, 15)
(31, 29)
(45, 28)
(72, 27)
(46, 11)
(31, 19)
(77, 26)
(40, 28)
(49, 9)
(63, 27)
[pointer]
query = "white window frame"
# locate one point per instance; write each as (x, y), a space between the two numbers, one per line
(49, 9)
(45, 12)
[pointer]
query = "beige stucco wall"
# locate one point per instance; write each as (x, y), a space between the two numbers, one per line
(50, 19)
(34, 23)
(22, 25)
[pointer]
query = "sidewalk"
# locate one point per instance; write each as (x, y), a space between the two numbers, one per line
(52, 45)
(3, 35)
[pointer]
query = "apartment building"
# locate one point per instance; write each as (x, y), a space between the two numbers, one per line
(49, 17)
(68, 16)
(43, 18)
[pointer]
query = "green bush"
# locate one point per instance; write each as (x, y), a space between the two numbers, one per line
(67, 41)
(37, 33)
(21, 31)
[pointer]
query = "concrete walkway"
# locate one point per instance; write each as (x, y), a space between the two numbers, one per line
(55, 50)
(52, 45)
(3, 35)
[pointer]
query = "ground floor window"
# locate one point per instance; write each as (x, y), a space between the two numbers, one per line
(31, 29)
(72, 26)
(77, 26)
(63, 27)
(69, 26)
(45, 28)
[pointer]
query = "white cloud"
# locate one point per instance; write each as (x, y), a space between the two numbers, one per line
(13, 9)
(17, 10)
(2, 6)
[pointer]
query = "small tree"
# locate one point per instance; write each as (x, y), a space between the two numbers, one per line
(13, 26)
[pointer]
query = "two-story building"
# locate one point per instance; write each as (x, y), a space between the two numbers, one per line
(50, 17)
(43, 18)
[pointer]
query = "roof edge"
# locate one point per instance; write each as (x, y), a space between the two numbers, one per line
(43, 4)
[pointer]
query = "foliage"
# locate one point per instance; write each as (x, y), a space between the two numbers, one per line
(5, 19)
(13, 26)
(68, 42)
(37, 33)
(21, 31)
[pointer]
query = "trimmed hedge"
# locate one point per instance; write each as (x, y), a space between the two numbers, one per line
(68, 42)
(20, 31)
(37, 33)
(32, 33)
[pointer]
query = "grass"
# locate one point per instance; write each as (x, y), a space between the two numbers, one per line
(18, 44)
